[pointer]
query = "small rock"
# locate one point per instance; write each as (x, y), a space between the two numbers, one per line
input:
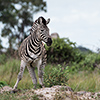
(55, 35)
(5, 89)
(81, 92)
(88, 94)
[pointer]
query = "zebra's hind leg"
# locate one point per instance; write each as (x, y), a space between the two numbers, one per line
(40, 74)
(20, 75)
(32, 74)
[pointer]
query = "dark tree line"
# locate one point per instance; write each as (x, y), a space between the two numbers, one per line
(17, 18)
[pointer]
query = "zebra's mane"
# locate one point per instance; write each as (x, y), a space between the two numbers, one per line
(35, 24)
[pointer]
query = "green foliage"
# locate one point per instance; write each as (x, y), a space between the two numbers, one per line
(56, 75)
(63, 50)
(90, 62)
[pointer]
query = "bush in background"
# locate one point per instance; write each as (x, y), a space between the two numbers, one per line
(89, 63)
(63, 50)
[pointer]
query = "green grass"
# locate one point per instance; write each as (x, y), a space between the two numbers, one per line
(9, 72)
(85, 81)
(80, 81)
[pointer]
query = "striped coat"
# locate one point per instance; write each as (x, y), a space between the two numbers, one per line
(32, 51)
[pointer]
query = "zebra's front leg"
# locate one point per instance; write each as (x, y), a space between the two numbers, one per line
(32, 74)
(41, 72)
(20, 75)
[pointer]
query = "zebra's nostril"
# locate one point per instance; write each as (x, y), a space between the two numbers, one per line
(49, 41)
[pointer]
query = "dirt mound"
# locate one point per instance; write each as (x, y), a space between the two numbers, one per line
(57, 93)
(51, 93)
(66, 93)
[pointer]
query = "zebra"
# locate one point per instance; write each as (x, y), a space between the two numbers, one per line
(33, 53)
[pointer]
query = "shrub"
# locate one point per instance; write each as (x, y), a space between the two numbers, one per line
(56, 76)
(62, 50)
(90, 62)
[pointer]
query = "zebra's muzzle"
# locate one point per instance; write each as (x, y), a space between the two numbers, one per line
(49, 42)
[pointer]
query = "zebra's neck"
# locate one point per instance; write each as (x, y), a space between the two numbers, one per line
(35, 41)
(33, 47)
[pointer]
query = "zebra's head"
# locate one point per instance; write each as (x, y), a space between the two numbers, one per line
(43, 31)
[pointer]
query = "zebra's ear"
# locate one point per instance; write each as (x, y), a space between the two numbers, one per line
(48, 20)
(40, 20)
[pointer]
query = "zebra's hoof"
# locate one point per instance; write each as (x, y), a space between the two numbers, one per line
(14, 91)
(43, 86)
